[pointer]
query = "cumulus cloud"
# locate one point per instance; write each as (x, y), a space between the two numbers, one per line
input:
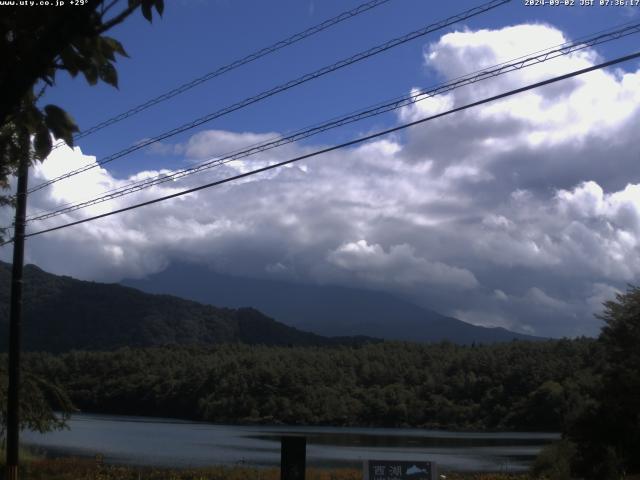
(500, 295)
(555, 136)
(524, 214)
(216, 143)
(487, 319)
(399, 265)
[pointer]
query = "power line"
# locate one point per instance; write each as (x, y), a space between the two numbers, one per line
(343, 145)
(601, 36)
(233, 65)
(283, 87)
(596, 38)
(399, 102)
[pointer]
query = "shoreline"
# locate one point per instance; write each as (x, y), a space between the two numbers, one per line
(148, 442)
(279, 425)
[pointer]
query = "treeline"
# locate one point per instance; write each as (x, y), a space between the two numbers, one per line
(518, 385)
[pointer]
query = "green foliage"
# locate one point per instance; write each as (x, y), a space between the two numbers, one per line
(35, 44)
(10, 149)
(554, 461)
(59, 123)
(607, 431)
(384, 384)
(61, 313)
(40, 396)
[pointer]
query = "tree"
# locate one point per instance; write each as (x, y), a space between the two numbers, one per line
(45, 403)
(38, 42)
(608, 433)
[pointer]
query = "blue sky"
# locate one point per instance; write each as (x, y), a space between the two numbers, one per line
(197, 36)
(523, 214)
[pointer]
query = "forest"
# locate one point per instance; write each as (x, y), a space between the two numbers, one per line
(518, 385)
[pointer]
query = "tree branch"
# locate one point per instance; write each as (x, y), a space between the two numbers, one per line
(121, 17)
(105, 9)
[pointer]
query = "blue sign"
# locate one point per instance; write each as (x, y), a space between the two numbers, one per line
(398, 470)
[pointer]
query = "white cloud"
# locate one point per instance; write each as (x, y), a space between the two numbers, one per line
(500, 295)
(524, 214)
(600, 293)
(215, 143)
(398, 265)
(486, 319)
(539, 297)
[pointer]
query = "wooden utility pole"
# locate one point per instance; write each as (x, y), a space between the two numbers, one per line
(15, 317)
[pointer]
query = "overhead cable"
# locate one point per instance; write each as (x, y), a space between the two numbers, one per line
(342, 145)
(233, 65)
(414, 97)
(283, 87)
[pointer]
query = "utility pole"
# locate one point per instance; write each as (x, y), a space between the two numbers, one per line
(293, 458)
(15, 317)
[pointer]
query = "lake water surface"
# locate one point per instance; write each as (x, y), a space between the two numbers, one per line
(174, 443)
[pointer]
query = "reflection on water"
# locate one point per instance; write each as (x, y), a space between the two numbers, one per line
(161, 442)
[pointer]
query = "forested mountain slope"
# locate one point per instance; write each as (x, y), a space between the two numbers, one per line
(62, 313)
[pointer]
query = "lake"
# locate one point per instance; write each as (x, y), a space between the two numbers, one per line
(174, 443)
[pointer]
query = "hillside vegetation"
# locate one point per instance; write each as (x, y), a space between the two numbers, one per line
(520, 385)
(62, 314)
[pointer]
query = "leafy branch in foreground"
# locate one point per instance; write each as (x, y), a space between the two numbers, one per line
(45, 404)
(37, 43)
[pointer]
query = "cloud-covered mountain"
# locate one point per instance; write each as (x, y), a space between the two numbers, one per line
(524, 213)
(325, 310)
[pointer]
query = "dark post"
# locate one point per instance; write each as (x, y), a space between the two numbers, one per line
(15, 317)
(293, 457)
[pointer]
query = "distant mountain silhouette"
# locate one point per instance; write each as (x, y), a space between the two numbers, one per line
(325, 310)
(62, 313)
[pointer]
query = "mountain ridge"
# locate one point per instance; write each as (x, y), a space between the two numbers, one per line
(324, 310)
(62, 313)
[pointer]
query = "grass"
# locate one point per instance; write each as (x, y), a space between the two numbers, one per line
(34, 466)
(83, 469)
(26, 455)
